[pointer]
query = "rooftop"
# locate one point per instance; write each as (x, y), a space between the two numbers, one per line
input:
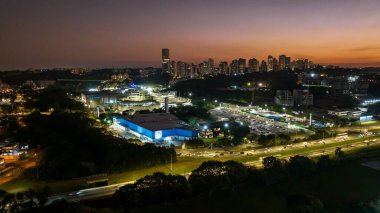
(156, 121)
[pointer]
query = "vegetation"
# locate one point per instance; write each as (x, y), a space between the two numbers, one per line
(74, 145)
(219, 87)
(195, 143)
(296, 187)
(156, 188)
(23, 200)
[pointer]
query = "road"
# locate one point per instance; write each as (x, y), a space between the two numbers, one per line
(107, 191)
(88, 194)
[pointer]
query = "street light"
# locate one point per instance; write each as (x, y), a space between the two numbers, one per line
(190, 94)
(216, 101)
(226, 125)
(205, 127)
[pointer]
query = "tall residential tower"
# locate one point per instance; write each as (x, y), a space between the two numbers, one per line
(165, 60)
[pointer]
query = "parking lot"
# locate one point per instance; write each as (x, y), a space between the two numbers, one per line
(256, 120)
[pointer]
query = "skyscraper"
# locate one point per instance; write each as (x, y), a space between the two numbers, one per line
(209, 66)
(242, 65)
(270, 63)
(234, 66)
(253, 65)
(301, 64)
(288, 63)
(165, 60)
(181, 67)
(174, 69)
(263, 66)
(223, 67)
(282, 62)
(276, 66)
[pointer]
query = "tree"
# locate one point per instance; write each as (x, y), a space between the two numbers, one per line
(272, 163)
(216, 175)
(300, 166)
(209, 176)
(195, 143)
(240, 133)
(274, 170)
(300, 203)
(324, 163)
(266, 140)
(283, 139)
(193, 122)
(339, 152)
(156, 188)
(236, 171)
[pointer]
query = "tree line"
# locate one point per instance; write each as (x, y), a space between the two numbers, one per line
(218, 177)
(73, 144)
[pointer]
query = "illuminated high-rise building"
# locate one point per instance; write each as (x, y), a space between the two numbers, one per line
(223, 67)
(234, 66)
(270, 63)
(282, 62)
(301, 64)
(182, 69)
(165, 60)
(209, 66)
(276, 66)
(263, 66)
(242, 65)
(253, 65)
(174, 69)
(288, 63)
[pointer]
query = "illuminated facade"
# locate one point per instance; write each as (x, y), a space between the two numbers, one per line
(165, 60)
(157, 127)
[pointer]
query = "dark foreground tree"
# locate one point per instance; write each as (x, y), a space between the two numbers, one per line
(274, 170)
(156, 188)
(301, 203)
(215, 175)
(300, 166)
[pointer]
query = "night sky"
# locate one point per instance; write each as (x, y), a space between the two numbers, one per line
(110, 33)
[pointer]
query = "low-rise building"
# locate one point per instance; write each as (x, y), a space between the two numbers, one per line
(284, 98)
(157, 127)
(303, 98)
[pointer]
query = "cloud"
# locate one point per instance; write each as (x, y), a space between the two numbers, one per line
(363, 49)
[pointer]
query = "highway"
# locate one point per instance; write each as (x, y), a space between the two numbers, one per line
(107, 191)
(88, 194)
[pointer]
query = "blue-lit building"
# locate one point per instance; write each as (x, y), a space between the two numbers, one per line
(157, 127)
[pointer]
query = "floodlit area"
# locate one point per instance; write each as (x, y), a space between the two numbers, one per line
(261, 122)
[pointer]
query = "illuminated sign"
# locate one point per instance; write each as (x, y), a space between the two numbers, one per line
(158, 134)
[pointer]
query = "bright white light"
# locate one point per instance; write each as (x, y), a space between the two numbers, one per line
(205, 127)
(149, 89)
(226, 125)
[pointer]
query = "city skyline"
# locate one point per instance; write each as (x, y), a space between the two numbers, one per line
(95, 34)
